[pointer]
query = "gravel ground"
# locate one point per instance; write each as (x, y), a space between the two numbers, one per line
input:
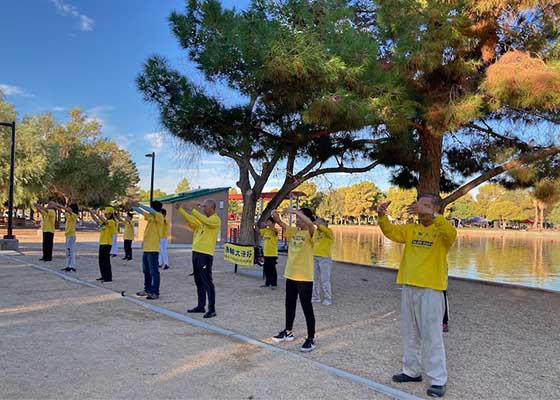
(504, 342)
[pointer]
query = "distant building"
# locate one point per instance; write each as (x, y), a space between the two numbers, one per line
(178, 231)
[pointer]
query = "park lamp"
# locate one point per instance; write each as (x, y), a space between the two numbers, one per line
(152, 155)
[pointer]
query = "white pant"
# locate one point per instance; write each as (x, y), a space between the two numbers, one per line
(422, 338)
(70, 251)
(322, 278)
(163, 259)
(114, 248)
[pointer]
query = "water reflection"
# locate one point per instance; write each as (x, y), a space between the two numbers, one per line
(513, 257)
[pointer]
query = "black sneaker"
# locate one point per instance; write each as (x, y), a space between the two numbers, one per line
(66, 269)
(197, 310)
(191, 274)
(100, 279)
(72, 269)
(152, 296)
(308, 345)
(166, 266)
(209, 314)
(283, 336)
(141, 293)
(401, 378)
(436, 391)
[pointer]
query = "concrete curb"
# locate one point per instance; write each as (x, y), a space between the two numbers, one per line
(378, 387)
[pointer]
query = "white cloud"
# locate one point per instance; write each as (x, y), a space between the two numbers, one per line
(11, 90)
(99, 113)
(69, 10)
(156, 140)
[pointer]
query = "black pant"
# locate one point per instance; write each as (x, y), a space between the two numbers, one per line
(48, 238)
(105, 262)
(202, 268)
(305, 291)
(446, 314)
(128, 249)
(270, 274)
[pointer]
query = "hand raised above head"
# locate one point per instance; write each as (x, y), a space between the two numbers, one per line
(177, 206)
(382, 208)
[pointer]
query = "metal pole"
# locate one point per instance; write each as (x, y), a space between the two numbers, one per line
(152, 181)
(11, 184)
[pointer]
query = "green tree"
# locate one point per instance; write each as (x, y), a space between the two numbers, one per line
(463, 208)
(332, 205)
(360, 200)
(487, 195)
(234, 206)
(31, 173)
(400, 199)
(306, 77)
(182, 186)
(504, 210)
(554, 215)
(83, 166)
(476, 91)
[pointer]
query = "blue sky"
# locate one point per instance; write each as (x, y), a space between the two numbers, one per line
(59, 54)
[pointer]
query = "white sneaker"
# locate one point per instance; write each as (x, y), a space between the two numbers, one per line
(326, 302)
(315, 300)
(283, 336)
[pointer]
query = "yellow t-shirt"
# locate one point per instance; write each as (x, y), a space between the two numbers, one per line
(106, 232)
(48, 220)
(70, 224)
(323, 241)
(164, 228)
(424, 261)
(152, 234)
(128, 233)
(299, 266)
(205, 230)
(270, 238)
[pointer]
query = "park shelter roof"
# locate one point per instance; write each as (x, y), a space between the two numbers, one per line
(267, 195)
(190, 194)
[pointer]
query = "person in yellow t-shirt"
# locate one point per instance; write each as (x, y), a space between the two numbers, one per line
(107, 228)
(128, 235)
(152, 236)
(298, 274)
(423, 276)
(322, 261)
(163, 257)
(269, 233)
(71, 217)
(205, 225)
(48, 217)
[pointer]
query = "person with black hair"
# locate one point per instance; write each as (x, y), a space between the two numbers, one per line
(107, 228)
(269, 233)
(128, 235)
(163, 257)
(152, 235)
(48, 217)
(70, 217)
(298, 274)
(205, 225)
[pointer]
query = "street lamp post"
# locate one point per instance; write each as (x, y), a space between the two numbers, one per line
(10, 236)
(152, 155)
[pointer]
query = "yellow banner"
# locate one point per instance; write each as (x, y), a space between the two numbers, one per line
(240, 255)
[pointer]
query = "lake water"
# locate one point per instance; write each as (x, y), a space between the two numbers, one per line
(522, 258)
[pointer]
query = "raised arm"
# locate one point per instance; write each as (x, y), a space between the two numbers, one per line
(147, 209)
(61, 207)
(308, 223)
(40, 208)
(208, 221)
(328, 232)
(192, 222)
(278, 220)
(446, 230)
(396, 233)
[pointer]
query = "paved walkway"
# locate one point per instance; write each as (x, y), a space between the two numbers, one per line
(504, 342)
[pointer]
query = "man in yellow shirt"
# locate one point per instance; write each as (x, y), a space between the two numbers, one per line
(71, 217)
(107, 228)
(269, 233)
(423, 274)
(205, 225)
(128, 235)
(48, 216)
(152, 235)
(322, 262)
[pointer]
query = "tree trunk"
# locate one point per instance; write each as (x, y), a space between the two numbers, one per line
(246, 231)
(430, 172)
